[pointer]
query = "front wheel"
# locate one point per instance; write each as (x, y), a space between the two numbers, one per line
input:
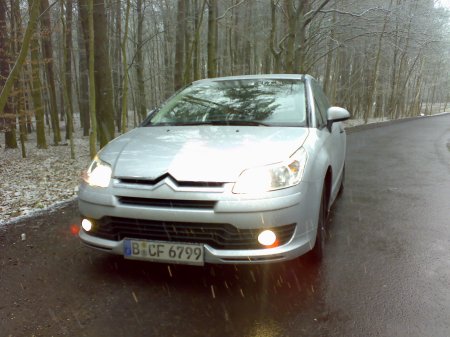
(341, 187)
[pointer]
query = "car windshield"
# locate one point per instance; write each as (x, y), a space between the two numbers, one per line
(266, 102)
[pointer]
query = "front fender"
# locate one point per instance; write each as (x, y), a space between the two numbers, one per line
(319, 158)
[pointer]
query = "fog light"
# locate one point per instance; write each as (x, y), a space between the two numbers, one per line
(267, 238)
(86, 224)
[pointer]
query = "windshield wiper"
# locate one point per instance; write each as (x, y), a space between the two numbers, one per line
(230, 122)
(236, 122)
(174, 123)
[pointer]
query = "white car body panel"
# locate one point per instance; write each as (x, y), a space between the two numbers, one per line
(167, 178)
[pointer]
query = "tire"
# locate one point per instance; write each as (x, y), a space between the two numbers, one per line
(316, 254)
(341, 187)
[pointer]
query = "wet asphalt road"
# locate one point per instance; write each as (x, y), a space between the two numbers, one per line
(386, 271)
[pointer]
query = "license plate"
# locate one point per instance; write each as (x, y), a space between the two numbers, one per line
(164, 252)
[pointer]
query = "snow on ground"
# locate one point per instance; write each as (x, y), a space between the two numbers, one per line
(42, 180)
(47, 178)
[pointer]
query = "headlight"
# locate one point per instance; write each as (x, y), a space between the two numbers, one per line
(98, 173)
(272, 177)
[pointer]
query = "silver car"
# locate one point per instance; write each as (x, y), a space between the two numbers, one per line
(228, 170)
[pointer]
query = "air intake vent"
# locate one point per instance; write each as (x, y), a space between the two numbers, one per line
(166, 203)
(217, 235)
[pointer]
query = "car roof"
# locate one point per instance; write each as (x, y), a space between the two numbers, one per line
(256, 77)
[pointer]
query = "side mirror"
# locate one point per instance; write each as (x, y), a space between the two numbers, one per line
(336, 114)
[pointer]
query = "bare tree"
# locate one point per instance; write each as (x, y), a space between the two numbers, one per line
(139, 62)
(125, 67)
(83, 67)
(92, 80)
(7, 116)
(67, 76)
(212, 38)
(36, 90)
(67, 59)
(378, 58)
(15, 71)
(179, 45)
(47, 50)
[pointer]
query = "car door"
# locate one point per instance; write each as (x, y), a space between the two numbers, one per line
(335, 141)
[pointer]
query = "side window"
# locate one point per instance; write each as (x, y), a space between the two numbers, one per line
(321, 102)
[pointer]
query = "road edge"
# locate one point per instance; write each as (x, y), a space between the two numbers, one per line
(369, 126)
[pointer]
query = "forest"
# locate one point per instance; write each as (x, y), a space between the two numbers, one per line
(102, 65)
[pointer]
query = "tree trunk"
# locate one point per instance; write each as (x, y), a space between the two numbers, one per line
(117, 64)
(36, 91)
(196, 60)
(192, 67)
(67, 76)
(273, 34)
(15, 71)
(83, 67)
(67, 56)
(212, 38)
(47, 50)
(124, 121)
(22, 116)
(291, 25)
(103, 78)
(189, 31)
(100, 77)
(92, 82)
(139, 63)
(179, 45)
(373, 86)
(7, 117)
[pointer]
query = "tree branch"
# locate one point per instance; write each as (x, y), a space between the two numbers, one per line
(312, 14)
(354, 14)
(229, 9)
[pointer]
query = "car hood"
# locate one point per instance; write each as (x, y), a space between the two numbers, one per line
(200, 153)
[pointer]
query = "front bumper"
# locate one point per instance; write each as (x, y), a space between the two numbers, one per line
(296, 205)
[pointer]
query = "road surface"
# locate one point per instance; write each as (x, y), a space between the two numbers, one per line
(386, 271)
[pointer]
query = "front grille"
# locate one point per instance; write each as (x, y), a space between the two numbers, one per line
(152, 182)
(167, 203)
(219, 236)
